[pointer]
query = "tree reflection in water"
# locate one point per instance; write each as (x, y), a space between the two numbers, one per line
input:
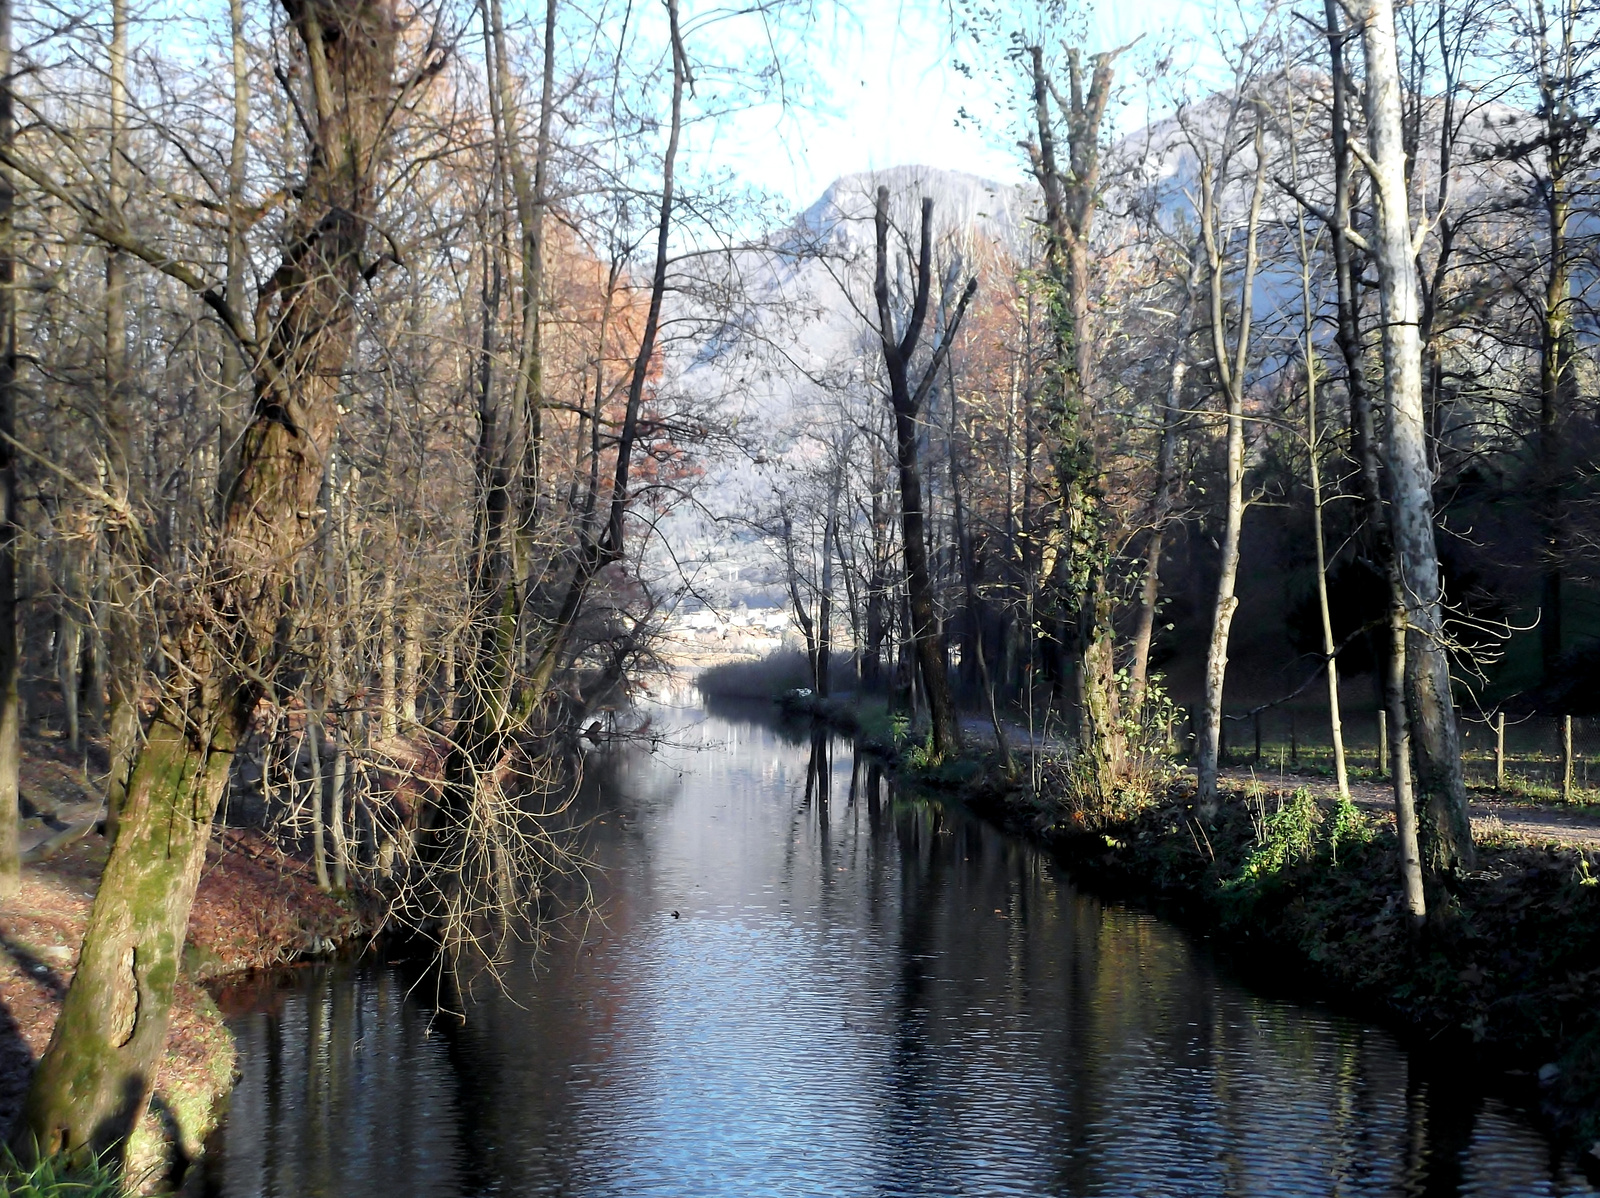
(867, 993)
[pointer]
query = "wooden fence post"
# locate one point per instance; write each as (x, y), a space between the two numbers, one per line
(1566, 759)
(1383, 743)
(1500, 750)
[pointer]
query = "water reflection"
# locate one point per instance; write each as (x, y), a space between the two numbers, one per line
(858, 996)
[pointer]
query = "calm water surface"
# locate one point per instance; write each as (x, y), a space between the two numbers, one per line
(857, 997)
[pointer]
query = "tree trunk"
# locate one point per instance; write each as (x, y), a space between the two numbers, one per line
(970, 585)
(388, 710)
(1432, 724)
(1558, 390)
(802, 614)
(1172, 419)
(125, 663)
(94, 1080)
(410, 663)
(1230, 366)
(906, 403)
(10, 657)
(338, 687)
(601, 548)
(319, 850)
(1335, 725)
(830, 530)
(1083, 553)
(1363, 440)
(69, 648)
(529, 193)
(1312, 362)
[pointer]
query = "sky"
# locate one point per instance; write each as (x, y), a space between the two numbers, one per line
(893, 95)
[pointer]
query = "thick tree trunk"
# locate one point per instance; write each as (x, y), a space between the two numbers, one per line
(1432, 724)
(1364, 448)
(94, 1080)
(1083, 554)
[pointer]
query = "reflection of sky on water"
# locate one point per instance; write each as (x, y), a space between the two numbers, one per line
(856, 999)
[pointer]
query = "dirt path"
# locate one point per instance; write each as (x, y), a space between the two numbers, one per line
(1489, 816)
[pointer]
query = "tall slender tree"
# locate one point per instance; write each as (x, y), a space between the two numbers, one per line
(906, 401)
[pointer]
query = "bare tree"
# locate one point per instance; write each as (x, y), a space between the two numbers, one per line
(906, 401)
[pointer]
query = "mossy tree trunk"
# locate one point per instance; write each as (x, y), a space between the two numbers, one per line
(95, 1078)
(1068, 172)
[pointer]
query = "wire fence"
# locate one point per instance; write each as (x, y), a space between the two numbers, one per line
(1552, 757)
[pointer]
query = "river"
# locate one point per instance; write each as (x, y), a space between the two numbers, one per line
(802, 989)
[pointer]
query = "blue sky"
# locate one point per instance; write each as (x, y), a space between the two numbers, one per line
(892, 96)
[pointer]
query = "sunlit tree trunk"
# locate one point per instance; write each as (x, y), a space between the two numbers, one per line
(1172, 419)
(410, 663)
(1431, 707)
(125, 664)
(1230, 364)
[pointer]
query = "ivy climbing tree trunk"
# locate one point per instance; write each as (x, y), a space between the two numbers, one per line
(94, 1080)
(1077, 576)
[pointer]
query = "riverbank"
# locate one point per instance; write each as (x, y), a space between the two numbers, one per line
(1303, 891)
(1291, 885)
(256, 907)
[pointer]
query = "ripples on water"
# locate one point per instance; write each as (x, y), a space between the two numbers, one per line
(858, 998)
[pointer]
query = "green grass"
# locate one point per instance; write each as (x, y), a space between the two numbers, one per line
(1531, 778)
(57, 1177)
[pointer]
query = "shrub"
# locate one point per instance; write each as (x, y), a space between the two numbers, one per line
(773, 675)
(1285, 837)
